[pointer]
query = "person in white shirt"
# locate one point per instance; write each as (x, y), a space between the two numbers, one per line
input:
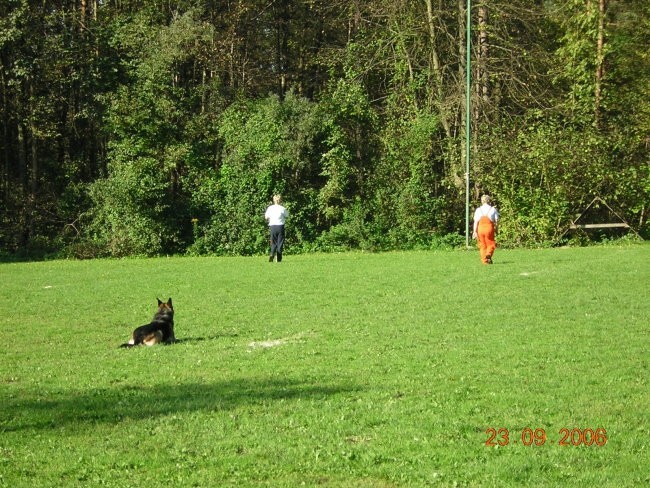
(486, 221)
(276, 215)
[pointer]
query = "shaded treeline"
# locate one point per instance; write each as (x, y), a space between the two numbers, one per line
(149, 126)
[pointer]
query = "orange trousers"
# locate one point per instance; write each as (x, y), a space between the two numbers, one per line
(485, 238)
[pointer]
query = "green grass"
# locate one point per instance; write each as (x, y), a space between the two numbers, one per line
(341, 370)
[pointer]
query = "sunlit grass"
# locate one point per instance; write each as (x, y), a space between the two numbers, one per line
(329, 370)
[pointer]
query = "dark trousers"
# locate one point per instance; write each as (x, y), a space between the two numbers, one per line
(277, 241)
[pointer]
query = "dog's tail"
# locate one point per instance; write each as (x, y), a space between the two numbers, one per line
(127, 344)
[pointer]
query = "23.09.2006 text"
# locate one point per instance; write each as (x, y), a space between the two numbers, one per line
(538, 437)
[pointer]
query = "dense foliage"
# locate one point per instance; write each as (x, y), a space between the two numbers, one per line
(155, 127)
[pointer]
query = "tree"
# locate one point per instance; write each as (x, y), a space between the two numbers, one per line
(157, 122)
(98, 98)
(50, 87)
(268, 146)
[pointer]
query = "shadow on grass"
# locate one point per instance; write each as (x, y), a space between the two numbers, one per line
(114, 405)
(189, 340)
(192, 340)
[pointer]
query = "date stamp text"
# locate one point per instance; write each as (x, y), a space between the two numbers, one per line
(537, 437)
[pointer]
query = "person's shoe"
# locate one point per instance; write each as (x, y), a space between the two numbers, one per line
(270, 259)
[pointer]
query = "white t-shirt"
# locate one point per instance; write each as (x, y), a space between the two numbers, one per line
(488, 211)
(276, 214)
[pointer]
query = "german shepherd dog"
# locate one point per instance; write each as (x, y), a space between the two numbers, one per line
(160, 329)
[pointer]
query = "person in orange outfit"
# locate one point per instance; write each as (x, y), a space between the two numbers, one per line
(486, 222)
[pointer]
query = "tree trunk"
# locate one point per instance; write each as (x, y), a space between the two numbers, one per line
(281, 54)
(462, 57)
(482, 78)
(6, 142)
(83, 7)
(457, 164)
(437, 70)
(22, 174)
(355, 21)
(600, 60)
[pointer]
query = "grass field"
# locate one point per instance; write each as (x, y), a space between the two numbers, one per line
(340, 370)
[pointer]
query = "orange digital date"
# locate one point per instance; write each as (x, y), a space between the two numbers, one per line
(537, 437)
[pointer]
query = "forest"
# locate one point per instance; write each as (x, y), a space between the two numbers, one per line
(160, 127)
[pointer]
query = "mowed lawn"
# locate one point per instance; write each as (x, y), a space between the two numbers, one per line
(333, 370)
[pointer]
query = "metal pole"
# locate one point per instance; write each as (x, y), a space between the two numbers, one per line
(467, 115)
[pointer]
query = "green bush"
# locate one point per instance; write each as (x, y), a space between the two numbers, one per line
(131, 210)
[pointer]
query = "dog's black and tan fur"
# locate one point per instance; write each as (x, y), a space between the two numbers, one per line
(160, 329)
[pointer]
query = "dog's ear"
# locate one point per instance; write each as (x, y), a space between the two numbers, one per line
(159, 302)
(169, 302)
